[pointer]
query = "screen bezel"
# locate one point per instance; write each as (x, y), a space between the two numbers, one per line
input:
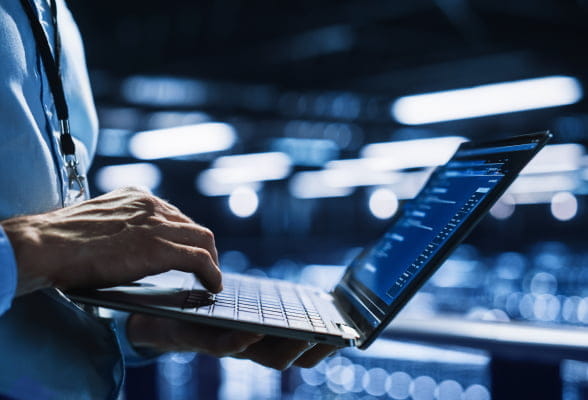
(348, 292)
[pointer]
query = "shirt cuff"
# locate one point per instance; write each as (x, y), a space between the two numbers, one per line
(133, 357)
(8, 273)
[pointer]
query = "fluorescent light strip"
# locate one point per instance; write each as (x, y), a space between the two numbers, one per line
(556, 158)
(182, 141)
(486, 100)
(112, 177)
(544, 183)
(313, 185)
(229, 172)
(415, 153)
(269, 160)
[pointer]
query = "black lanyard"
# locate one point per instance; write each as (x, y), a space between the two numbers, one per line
(52, 67)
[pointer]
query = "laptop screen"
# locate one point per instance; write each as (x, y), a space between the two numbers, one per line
(382, 279)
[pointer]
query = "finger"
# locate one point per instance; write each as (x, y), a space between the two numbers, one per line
(315, 355)
(277, 353)
(170, 255)
(237, 341)
(188, 234)
(165, 334)
(218, 342)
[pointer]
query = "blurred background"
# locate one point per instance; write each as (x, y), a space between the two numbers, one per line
(256, 118)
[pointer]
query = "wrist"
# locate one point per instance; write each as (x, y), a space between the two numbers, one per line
(24, 239)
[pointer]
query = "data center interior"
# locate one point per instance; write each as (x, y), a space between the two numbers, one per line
(257, 118)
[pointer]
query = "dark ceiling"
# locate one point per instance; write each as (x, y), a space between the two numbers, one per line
(377, 50)
(369, 46)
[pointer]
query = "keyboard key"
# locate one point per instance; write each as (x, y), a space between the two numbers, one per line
(271, 307)
(296, 314)
(248, 316)
(270, 312)
(224, 312)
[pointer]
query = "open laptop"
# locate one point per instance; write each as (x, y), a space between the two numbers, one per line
(377, 283)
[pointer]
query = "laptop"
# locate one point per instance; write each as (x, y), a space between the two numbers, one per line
(376, 284)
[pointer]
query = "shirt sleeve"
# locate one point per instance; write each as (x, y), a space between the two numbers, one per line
(8, 273)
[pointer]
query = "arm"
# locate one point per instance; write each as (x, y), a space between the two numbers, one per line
(115, 238)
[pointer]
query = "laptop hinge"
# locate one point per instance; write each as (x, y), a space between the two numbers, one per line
(349, 328)
(353, 301)
(349, 332)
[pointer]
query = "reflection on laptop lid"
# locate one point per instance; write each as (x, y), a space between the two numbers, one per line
(384, 277)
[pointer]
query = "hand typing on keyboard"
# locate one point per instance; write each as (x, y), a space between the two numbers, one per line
(112, 239)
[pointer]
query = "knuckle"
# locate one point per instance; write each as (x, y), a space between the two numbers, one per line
(146, 203)
(135, 190)
(154, 220)
(208, 235)
(202, 255)
(173, 208)
(148, 200)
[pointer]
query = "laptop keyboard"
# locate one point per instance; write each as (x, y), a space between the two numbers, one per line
(266, 301)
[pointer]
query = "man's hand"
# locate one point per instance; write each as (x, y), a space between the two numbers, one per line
(116, 238)
(165, 334)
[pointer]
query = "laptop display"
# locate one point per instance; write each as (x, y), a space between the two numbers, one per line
(380, 281)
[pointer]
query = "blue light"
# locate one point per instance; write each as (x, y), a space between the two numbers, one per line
(383, 203)
(243, 202)
(564, 206)
(314, 185)
(486, 100)
(164, 90)
(229, 172)
(182, 141)
(112, 177)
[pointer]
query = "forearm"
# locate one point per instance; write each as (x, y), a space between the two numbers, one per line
(23, 237)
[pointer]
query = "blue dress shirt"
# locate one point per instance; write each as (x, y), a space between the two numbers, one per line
(7, 273)
(49, 347)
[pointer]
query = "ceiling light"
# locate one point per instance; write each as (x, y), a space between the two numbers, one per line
(486, 100)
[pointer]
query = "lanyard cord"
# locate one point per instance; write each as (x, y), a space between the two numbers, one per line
(52, 67)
